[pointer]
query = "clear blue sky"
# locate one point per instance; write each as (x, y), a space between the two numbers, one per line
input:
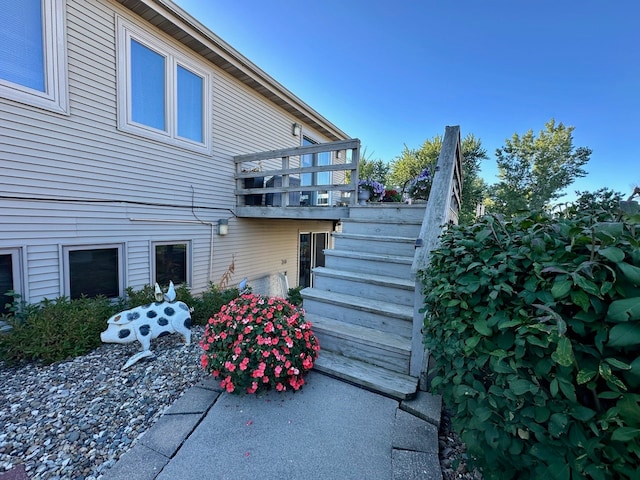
(396, 72)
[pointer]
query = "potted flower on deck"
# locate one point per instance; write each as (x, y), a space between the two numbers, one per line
(369, 190)
(420, 186)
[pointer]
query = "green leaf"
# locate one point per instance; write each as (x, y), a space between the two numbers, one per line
(585, 284)
(631, 272)
(581, 413)
(522, 386)
(481, 327)
(625, 434)
(553, 387)
(614, 362)
(561, 288)
(568, 389)
(613, 254)
(581, 299)
(624, 335)
(558, 424)
(605, 371)
(624, 310)
(563, 354)
(585, 375)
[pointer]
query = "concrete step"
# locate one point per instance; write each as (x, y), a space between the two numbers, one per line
(381, 228)
(365, 262)
(365, 375)
(383, 349)
(389, 211)
(377, 314)
(392, 289)
(387, 245)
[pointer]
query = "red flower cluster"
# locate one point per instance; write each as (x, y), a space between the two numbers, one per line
(259, 343)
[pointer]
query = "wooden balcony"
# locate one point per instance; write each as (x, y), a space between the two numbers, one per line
(307, 182)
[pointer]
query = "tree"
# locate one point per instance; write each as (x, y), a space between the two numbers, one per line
(377, 170)
(412, 161)
(533, 171)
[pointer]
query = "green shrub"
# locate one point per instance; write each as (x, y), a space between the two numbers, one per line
(204, 306)
(56, 329)
(534, 327)
(210, 303)
(294, 297)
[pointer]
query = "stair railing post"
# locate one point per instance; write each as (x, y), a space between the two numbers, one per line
(437, 215)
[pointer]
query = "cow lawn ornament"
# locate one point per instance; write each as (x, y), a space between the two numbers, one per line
(146, 322)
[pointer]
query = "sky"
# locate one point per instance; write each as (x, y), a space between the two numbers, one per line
(396, 72)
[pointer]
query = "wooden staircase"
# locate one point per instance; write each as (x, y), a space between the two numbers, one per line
(362, 302)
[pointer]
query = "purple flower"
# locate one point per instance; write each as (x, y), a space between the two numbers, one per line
(376, 188)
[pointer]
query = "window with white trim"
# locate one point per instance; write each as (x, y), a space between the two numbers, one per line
(93, 270)
(10, 276)
(33, 60)
(163, 93)
(171, 262)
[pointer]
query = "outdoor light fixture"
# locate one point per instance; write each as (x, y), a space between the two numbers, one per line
(297, 129)
(223, 226)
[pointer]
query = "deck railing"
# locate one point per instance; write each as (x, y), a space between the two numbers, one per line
(313, 175)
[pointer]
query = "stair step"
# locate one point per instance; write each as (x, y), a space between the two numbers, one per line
(371, 257)
(371, 279)
(383, 349)
(365, 304)
(388, 211)
(391, 227)
(385, 316)
(389, 245)
(365, 375)
(368, 285)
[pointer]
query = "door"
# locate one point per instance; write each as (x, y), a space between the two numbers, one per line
(312, 246)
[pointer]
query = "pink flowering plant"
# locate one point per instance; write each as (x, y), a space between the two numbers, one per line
(259, 343)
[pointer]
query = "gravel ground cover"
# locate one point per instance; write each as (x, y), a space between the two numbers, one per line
(74, 419)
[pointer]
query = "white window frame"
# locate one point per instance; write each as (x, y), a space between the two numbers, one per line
(55, 97)
(74, 248)
(16, 268)
(126, 31)
(187, 243)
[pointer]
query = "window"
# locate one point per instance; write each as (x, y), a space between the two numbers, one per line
(320, 198)
(93, 271)
(162, 93)
(9, 276)
(171, 262)
(32, 53)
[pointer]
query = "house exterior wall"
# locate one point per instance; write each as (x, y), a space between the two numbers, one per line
(75, 179)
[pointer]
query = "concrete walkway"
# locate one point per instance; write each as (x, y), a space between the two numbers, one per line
(328, 430)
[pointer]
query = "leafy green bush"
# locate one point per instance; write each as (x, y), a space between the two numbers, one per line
(534, 327)
(56, 329)
(294, 297)
(211, 302)
(204, 306)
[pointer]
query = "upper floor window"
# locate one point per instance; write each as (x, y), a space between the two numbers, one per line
(162, 92)
(32, 53)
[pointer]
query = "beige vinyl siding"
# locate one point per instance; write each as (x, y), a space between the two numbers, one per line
(113, 176)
